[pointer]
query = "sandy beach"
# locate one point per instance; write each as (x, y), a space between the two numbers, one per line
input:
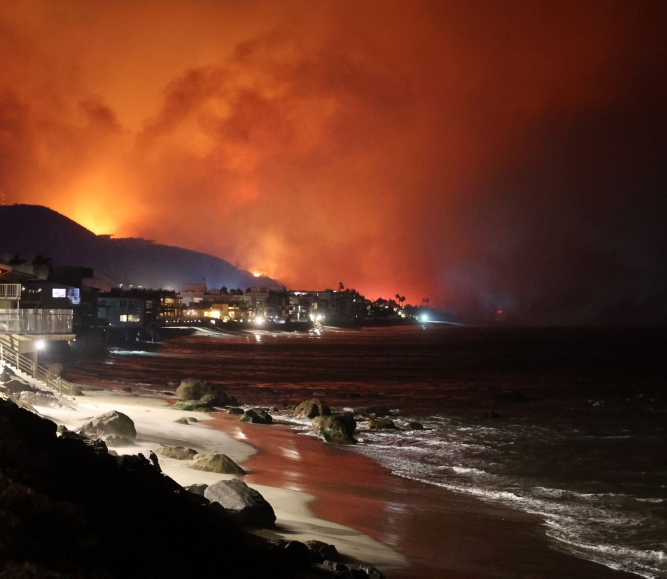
(154, 420)
(318, 491)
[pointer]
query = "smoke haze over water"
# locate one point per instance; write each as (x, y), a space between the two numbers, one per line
(484, 155)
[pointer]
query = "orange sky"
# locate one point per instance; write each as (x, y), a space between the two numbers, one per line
(369, 142)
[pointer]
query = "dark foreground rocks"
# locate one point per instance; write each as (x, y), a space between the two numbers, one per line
(69, 509)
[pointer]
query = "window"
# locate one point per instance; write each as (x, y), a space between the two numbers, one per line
(57, 292)
(123, 317)
(132, 318)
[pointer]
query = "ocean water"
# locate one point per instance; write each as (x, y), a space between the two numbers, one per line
(583, 444)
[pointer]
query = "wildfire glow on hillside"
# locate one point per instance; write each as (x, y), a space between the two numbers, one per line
(484, 154)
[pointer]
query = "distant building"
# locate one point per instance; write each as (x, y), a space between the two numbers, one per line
(158, 306)
(120, 311)
(193, 293)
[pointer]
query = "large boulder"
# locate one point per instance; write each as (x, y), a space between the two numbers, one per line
(113, 426)
(256, 416)
(311, 409)
(177, 452)
(215, 462)
(335, 429)
(192, 389)
(247, 505)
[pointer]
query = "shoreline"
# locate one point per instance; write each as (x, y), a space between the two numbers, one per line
(154, 420)
(338, 496)
(472, 538)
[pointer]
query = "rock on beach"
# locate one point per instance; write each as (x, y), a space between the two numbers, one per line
(256, 416)
(177, 452)
(245, 504)
(214, 462)
(381, 424)
(335, 429)
(312, 408)
(112, 427)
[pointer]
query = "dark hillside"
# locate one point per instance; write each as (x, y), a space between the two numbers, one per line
(29, 230)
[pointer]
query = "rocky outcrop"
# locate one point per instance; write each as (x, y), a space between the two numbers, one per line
(312, 408)
(381, 424)
(214, 462)
(415, 426)
(256, 416)
(177, 452)
(335, 429)
(71, 510)
(245, 504)
(115, 428)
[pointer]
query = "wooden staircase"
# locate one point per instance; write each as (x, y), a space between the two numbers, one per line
(32, 372)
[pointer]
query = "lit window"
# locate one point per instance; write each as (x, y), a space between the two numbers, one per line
(59, 292)
(133, 318)
(123, 317)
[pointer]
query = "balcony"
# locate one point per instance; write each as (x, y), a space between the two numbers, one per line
(36, 321)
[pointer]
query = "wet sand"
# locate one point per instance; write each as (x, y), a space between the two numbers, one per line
(442, 534)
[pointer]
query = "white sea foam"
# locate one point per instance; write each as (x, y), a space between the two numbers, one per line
(590, 525)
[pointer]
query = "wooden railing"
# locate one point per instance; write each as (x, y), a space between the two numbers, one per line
(24, 364)
(10, 291)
